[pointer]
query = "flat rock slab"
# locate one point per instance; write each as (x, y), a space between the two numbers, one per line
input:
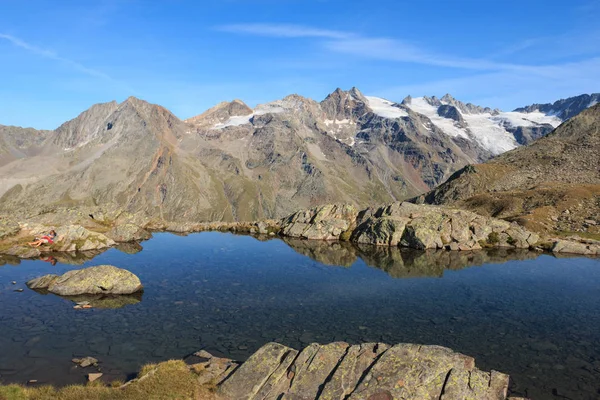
(370, 371)
(103, 279)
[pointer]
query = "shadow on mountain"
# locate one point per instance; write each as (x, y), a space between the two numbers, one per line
(403, 262)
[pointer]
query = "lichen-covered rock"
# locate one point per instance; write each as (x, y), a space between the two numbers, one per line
(409, 225)
(103, 279)
(43, 282)
(573, 247)
(8, 227)
(327, 222)
(384, 231)
(128, 233)
(257, 370)
(338, 371)
(78, 238)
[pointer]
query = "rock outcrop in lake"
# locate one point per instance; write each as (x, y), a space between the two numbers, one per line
(407, 225)
(102, 279)
(373, 371)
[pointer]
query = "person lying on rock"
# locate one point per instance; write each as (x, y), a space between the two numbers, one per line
(46, 239)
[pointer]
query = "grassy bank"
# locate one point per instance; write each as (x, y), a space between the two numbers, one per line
(167, 380)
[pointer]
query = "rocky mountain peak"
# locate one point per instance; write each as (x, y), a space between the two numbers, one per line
(345, 105)
(447, 98)
(85, 127)
(221, 113)
(564, 108)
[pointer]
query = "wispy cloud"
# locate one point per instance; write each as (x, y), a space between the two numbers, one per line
(54, 56)
(285, 31)
(388, 49)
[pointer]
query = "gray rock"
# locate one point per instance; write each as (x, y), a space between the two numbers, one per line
(8, 227)
(372, 371)
(77, 238)
(103, 279)
(85, 362)
(408, 225)
(328, 222)
(572, 247)
(128, 233)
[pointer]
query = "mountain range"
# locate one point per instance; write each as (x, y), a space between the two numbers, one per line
(233, 162)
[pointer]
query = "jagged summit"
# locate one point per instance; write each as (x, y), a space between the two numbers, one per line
(564, 108)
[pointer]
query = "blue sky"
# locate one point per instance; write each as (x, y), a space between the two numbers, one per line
(57, 58)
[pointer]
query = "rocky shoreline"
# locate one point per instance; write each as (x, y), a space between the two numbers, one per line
(398, 224)
(372, 371)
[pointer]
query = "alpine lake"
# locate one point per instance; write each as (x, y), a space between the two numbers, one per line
(530, 315)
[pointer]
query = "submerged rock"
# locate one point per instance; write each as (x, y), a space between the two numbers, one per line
(103, 279)
(366, 371)
(85, 361)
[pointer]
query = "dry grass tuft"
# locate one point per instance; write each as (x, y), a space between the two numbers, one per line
(168, 380)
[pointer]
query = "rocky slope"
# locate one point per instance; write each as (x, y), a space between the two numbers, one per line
(137, 162)
(551, 185)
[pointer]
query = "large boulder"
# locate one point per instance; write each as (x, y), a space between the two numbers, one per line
(78, 238)
(103, 279)
(573, 247)
(367, 371)
(329, 222)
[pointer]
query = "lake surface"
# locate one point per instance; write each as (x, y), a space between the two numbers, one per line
(534, 317)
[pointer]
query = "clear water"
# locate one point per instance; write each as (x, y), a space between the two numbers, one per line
(534, 317)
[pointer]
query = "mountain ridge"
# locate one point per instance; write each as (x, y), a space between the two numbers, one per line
(552, 184)
(237, 163)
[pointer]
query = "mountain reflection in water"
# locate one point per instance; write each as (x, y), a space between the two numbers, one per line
(533, 316)
(402, 262)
